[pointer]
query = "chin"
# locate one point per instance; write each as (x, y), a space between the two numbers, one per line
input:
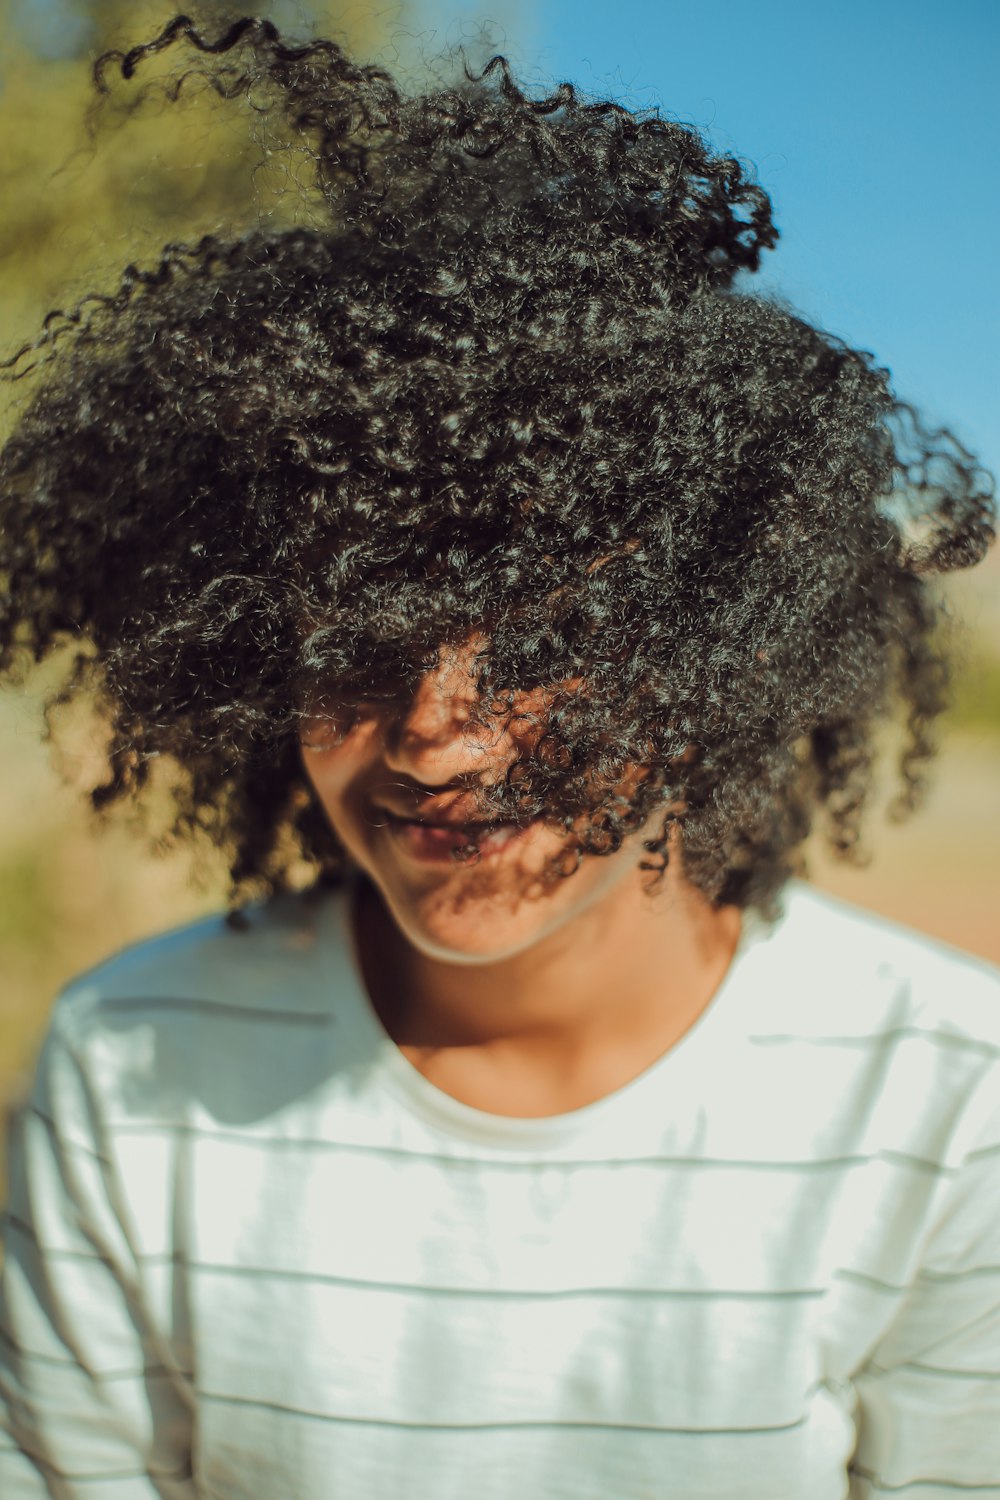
(459, 922)
(470, 930)
(487, 915)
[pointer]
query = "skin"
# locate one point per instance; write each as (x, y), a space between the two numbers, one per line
(518, 997)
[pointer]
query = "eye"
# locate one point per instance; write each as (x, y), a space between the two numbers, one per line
(327, 722)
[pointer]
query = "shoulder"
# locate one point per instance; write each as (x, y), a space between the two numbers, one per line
(207, 1009)
(865, 969)
(210, 1022)
(871, 1024)
(267, 958)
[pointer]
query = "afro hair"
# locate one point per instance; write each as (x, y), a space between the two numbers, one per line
(509, 381)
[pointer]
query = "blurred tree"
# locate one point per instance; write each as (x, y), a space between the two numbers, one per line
(74, 210)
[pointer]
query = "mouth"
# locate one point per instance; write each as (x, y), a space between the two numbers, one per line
(437, 841)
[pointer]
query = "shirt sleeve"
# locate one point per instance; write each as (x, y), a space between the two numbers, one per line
(92, 1406)
(929, 1398)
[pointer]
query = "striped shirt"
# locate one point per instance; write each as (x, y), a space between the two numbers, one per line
(253, 1254)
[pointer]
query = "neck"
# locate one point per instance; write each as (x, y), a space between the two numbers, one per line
(600, 997)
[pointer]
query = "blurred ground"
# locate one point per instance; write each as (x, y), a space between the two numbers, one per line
(939, 871)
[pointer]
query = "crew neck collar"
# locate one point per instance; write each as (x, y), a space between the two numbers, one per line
(678, 1069)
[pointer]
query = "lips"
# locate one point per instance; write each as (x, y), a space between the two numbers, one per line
(454, 815)
(430, 841)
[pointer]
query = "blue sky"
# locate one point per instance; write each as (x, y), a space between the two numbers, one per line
(874, 126)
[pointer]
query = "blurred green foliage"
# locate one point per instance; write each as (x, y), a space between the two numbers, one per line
(977, 693)
(87, 186)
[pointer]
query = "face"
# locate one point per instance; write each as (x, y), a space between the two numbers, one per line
(391, 786)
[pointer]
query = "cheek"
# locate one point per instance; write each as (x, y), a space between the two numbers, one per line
(335, 759)
(330, 774)
(322, 782)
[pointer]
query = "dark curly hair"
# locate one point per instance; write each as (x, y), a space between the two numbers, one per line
(506, 384)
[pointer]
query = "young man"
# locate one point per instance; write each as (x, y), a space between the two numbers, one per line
(490, 552)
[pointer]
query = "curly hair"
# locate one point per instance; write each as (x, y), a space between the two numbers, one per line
(505, 384)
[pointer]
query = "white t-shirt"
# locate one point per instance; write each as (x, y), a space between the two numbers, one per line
(253, 1254)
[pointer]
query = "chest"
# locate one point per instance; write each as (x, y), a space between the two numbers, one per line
(357, 1316)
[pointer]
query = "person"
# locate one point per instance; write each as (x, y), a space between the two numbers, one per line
(509, 588)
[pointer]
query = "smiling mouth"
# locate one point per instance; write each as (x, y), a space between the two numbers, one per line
(429, 841)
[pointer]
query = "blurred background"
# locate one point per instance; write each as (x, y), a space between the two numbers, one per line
(876, 129)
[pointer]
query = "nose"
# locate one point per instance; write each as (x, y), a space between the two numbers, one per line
(432, 740)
